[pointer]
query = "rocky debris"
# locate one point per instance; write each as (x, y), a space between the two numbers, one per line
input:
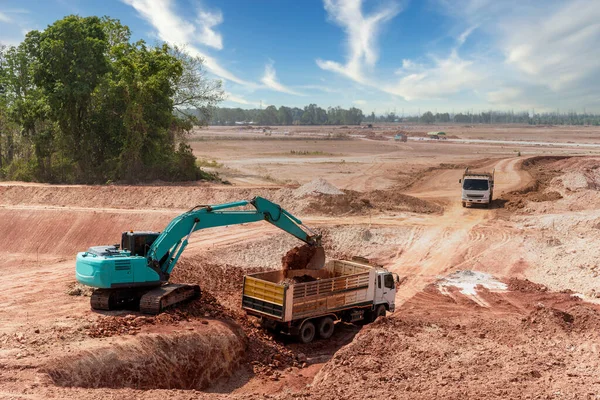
(204, 307)
(298, 257)
(317, 187)
(525, 285)
(77, 289)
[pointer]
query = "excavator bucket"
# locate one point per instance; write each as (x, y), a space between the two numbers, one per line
(304, 257)
(318, 259)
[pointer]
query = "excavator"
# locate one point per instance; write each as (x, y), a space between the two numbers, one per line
(135, 274)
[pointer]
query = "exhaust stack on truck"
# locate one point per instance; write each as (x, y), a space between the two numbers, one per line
(307, 303)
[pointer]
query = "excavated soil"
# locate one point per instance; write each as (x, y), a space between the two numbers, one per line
(528, 344)
(298, 257)
(357, 203)
(540, 168)
(177, 361)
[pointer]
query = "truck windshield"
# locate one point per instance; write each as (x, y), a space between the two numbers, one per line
(475, 184)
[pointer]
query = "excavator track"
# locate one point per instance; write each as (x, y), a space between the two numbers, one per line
(157, 300)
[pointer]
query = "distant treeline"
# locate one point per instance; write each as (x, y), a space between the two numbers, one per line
(309, 115)
(493, 117)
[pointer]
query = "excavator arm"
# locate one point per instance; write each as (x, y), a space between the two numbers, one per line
(168, 246)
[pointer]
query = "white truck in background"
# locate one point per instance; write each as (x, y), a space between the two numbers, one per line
(306, 303)
(477, 188)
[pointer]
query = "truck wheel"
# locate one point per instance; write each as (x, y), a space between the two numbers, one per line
(380, 311)
(326, 327)
(307, 332)
(464, 204)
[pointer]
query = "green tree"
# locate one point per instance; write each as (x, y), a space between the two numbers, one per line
(284, 115)
(427, 118)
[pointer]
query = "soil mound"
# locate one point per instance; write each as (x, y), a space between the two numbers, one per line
(317, 187)
(525, 285)
(181, 361)
(354, 203)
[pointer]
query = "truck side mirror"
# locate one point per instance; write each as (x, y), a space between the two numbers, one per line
(460, 181)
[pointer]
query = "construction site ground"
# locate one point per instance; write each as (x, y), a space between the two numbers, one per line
(496, 303)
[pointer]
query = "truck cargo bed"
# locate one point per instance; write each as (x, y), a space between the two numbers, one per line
(287, 295)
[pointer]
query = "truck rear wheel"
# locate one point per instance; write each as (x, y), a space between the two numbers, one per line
(307, 332)
(326, 327)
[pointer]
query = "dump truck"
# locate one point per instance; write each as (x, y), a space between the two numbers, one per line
(307, 303)
(477, 187)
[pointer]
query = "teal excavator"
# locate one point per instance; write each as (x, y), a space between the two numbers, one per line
(135, 274)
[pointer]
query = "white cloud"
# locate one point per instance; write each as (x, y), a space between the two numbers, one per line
(175, 30)
(558, 47)
(462, 38)
(362, 31)
(239, 99)
(269, 79)
(360, 102)
(445, 77)
(504, 96)
(548, 49)
(208, 36)
(5, 18)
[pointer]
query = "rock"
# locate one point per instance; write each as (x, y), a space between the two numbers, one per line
(301, 357)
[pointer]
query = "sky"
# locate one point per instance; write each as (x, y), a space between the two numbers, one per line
(407, 56)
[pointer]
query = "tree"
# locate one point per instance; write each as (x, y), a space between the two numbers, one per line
(80, 103)
(284, 115)
(428, 118)
(268, 116)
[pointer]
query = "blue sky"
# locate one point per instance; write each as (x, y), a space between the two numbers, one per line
(378, 55)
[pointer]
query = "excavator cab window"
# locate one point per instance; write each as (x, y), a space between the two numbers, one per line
(138, 243)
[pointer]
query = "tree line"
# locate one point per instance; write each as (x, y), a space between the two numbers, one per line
(309, 115)
(493, 117)
(80, 102)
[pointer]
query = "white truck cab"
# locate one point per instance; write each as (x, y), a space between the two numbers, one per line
(385, 289)
(477, 188)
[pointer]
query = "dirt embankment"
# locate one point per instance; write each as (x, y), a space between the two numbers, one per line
(356, 203)
(192, 360)
(529, 344)
(539, 190)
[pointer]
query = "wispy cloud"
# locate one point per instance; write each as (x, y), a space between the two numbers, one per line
(207, 21)
(239, 99)
(269, 79)
(176, 30)
(361, 31)
(446, 76)
(4, 18)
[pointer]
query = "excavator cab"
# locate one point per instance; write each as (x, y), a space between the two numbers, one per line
(138, 242)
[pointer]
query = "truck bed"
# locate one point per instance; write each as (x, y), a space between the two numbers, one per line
(339, 285)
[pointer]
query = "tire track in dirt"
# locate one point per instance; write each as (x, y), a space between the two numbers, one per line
(457, 238)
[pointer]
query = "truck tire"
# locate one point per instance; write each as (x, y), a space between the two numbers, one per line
(326, 327)
(307, 332)
(464, 204)
(380, 311)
